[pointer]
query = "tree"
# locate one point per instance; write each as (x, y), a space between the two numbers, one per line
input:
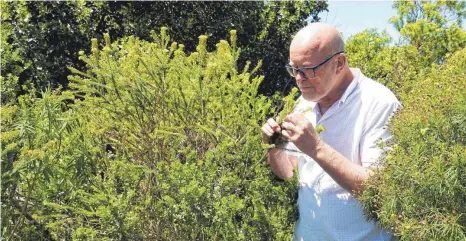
(42, 39)
(433, 27)
(397, 67)
(430, 32)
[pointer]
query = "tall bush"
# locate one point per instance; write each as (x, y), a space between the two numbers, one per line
(47, 163)
(156, 144)
(420, 192)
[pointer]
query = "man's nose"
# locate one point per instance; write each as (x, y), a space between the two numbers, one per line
(300, 77)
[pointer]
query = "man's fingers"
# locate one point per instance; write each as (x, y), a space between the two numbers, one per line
(297, 120)
(273, 125)
(266, 129)
(289, 126)
(289, 118)
(286, 134)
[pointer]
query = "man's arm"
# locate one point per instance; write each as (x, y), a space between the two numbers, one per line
(282, 165)
(347, 174)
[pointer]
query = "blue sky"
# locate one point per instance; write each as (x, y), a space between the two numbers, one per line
(351, 17)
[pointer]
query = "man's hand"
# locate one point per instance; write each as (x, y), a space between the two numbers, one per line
(300, 131)
(268, 129)
(281, 164)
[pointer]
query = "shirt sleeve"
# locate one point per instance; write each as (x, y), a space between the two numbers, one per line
(376, 134)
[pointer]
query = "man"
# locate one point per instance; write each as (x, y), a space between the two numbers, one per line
(354, 111)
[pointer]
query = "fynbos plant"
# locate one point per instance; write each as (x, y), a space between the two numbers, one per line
(420, 192)
(152, 144)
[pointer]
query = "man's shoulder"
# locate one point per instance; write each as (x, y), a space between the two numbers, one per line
(376, 93)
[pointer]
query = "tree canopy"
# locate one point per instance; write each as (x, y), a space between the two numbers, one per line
(42, 39)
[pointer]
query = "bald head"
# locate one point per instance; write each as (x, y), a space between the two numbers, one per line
(319, 37)
(319, 45)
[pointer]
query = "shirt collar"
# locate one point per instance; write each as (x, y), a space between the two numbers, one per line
(352, 86)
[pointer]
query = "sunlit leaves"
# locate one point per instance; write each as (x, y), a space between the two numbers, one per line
(151, 139)
(419, 194)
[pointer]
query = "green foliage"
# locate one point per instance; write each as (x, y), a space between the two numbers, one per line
(289, 104)
(419, 194)
(397, 67)
(43, 160)
(430, 32)
(40, 40)
(433, 27)
(365, 51)
(10, 55)
(152, 144)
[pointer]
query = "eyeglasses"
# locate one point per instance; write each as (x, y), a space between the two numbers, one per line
(293, 71)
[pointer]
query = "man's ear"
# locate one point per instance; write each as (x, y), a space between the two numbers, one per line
(341, 61)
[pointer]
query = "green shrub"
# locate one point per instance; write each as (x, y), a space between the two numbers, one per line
(45, 163)
(155, 145)
(420, 193)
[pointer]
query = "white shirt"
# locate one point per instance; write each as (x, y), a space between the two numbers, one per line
(354, 125)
